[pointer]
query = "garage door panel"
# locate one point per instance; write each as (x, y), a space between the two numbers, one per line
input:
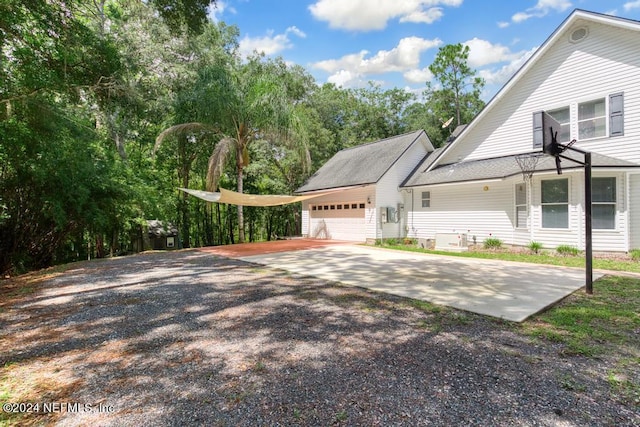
(352, 229)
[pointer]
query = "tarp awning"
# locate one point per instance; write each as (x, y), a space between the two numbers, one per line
(235, 198)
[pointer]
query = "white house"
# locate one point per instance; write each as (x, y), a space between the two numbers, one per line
(587, 76)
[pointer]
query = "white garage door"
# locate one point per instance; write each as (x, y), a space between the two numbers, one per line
(338, 221)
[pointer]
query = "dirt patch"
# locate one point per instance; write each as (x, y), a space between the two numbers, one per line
(258, 248)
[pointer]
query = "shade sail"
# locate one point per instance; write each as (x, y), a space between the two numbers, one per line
(234, 198)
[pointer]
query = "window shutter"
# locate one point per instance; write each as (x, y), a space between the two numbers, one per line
(537, 130)
(616, 114)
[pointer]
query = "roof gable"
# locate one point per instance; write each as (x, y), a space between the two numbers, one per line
(363, 164)
(454, 152)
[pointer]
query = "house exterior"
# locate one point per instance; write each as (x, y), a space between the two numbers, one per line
(363, 180)
(587, 76)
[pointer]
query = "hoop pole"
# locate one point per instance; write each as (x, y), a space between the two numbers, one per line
(588, 224)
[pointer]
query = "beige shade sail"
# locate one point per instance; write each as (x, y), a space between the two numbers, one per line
(234, 198)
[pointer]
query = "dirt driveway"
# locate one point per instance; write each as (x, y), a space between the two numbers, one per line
(192, 338)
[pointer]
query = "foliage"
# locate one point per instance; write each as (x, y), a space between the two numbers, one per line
(456, 93)
(492, 243)
(635, 254)
(535, 247)
(87, 86)
(567, 250)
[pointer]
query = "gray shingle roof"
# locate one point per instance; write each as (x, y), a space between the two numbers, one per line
(360, 165)
(501, 167)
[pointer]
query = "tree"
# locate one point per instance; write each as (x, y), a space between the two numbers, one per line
(240, 103)
(458, 93)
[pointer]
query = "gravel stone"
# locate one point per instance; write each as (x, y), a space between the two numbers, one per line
(187, 338)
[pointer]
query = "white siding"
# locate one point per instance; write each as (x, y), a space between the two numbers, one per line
(634, 209)
(606, 62)
(488, 209)
(465, 208)
(388, 193)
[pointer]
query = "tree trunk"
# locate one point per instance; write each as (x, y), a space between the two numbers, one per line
(240, 189)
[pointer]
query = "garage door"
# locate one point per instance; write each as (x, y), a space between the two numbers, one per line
(338, 221)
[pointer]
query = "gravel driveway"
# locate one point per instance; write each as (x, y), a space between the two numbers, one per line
(190, 338)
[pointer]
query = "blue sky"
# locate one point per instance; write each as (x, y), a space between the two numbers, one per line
(392, 42)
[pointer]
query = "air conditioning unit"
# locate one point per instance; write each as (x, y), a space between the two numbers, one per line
(451, 242)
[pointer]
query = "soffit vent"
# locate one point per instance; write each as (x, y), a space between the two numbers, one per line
(578, 34)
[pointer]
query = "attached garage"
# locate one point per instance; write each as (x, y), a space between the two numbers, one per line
(338, 221)
(362, 181)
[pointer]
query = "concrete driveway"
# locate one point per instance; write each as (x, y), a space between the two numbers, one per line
(508, 290)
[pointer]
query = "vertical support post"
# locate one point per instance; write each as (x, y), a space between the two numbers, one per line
(588, 224)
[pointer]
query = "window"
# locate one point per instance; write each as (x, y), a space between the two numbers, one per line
(314, 207)
(346, 206)
(603, 209)
(426, 199)
(555, 203)
(592, 121)
(354, 206)
(563, 117)
(333, 207)
(361, 205)
(339, 207)
(521, 205)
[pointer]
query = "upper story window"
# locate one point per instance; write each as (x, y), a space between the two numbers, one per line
(595, 118)
(592, 119)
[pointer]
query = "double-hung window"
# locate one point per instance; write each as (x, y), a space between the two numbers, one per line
(592, 119)
(603, 208)
(555, 203)
(426, 199)
(521, 205)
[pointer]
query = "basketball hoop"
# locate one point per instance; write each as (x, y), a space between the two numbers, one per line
(527, 163)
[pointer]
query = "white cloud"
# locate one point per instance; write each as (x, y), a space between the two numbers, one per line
(350, 69)
(271, 43)
(418, 75)
(428, 16)
(367, 15)
(503, 74)
(482, 52)
(542, 8)
(631, 5)
(215, 10)
(405, 56)
(503, 24)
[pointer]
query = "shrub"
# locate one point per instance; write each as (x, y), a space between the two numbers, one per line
(635, 254)
(534, 247)
(492, 243)
(567, 250)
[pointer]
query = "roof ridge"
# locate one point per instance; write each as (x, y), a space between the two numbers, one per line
(382, 140)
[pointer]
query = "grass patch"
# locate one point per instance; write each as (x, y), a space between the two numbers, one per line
(567, 250)
(540, 258)
(590, 324)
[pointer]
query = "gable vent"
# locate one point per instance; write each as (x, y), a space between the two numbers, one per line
(578, 34)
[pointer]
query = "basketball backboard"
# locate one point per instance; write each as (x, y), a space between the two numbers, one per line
(545, 130)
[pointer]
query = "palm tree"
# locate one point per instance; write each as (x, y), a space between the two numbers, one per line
(240, 104)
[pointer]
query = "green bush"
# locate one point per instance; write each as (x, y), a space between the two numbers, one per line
(534, 247)
(492, 243)
(567, 250)
(635, 254)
